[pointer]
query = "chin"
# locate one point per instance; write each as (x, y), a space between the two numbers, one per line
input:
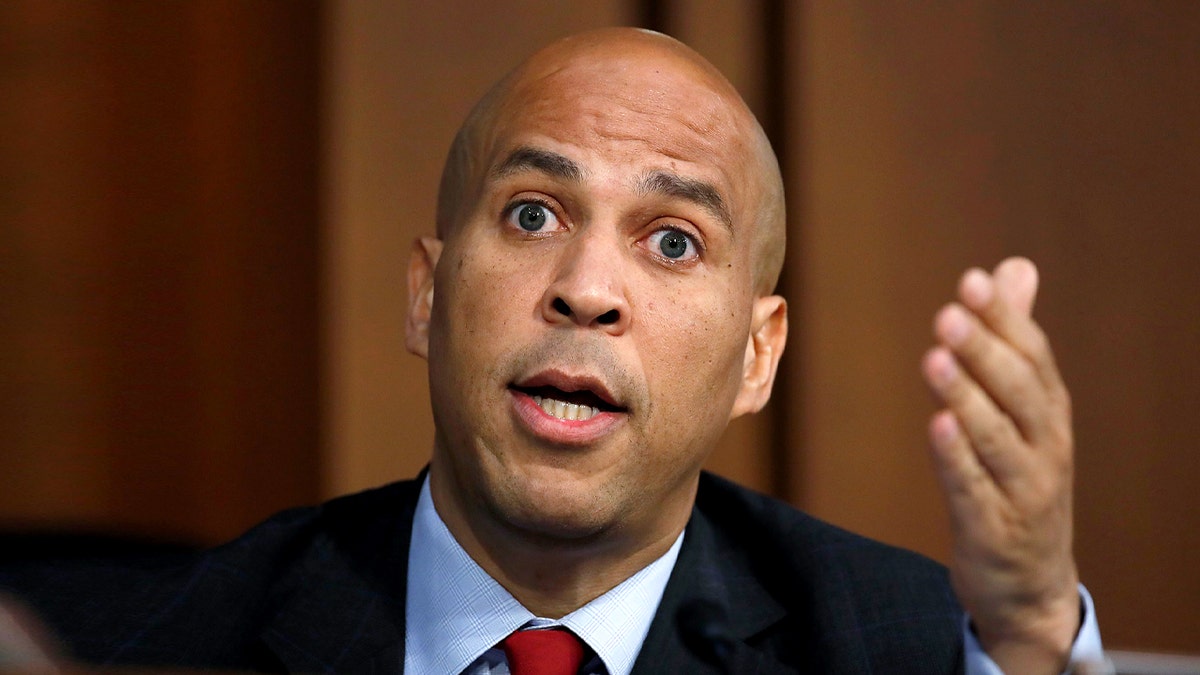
(555, 509)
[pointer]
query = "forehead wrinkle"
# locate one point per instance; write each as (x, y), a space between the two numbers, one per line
(528, 158)
(689, 189)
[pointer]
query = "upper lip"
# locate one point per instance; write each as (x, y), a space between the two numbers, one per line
(568, 382)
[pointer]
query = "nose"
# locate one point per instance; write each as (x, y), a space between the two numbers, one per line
(589, 288)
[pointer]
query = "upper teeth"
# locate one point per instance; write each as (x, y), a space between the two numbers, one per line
(565, 411)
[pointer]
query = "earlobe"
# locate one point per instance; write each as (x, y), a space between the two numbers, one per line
(421, 267)
(764, 347)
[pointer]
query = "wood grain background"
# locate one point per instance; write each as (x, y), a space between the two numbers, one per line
(206, 210)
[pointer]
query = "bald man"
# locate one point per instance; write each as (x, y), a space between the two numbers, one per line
(595, 307)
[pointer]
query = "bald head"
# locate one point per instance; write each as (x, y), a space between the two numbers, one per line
(653, 69)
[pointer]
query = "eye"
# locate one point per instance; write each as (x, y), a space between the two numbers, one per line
(673, 244)
(531, 216)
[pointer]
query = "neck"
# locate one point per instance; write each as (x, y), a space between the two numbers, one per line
(550, 575)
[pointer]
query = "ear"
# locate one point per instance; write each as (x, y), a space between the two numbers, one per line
(421, 266)
(764, 346)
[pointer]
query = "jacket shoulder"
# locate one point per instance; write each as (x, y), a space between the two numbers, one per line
(857, 600)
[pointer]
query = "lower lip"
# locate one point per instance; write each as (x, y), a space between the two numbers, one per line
(566, 432)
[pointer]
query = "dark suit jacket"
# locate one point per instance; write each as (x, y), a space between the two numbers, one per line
(322, 590)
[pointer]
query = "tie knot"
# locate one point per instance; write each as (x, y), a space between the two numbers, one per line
(551, 651)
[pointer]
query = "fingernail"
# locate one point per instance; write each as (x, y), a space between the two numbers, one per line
(977, 288)
(954, 326)
(942, 368)
(945, 428)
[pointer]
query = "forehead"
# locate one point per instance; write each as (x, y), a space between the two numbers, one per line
(635, 114)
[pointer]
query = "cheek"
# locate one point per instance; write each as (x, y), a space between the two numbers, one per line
(478, 306)
(693, 357)
(486, 298)
(465, 321)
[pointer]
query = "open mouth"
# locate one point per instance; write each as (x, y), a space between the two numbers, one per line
(579, 405)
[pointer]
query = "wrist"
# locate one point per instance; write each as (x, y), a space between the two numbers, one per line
(1040, 643)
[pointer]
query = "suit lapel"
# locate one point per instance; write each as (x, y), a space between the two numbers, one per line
(345, 597)
(703, 575)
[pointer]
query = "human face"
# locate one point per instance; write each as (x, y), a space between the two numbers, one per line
(604, 263)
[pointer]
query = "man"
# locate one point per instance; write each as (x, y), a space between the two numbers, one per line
(595, 308)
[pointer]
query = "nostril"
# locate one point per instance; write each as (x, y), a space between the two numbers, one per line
(608, 318)
(561, 307)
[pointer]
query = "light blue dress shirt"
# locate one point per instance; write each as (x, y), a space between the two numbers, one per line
(456, 614)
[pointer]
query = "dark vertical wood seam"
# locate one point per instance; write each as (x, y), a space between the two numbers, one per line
(782, 420)
(653, 14)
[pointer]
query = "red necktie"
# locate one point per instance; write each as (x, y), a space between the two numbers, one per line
(552, 651)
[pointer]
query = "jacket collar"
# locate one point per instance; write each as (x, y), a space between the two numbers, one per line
(344, 605)
(703, 576)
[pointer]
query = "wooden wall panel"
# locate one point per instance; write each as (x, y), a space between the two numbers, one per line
(159, 210)
(51, 172)
(936, 136)
(162, 271)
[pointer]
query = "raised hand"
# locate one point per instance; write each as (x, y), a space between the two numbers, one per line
(1003, 451)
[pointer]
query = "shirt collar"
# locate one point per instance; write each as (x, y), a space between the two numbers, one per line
(455, 611)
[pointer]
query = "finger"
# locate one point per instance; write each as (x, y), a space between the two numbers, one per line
(1016, 282)
(1002, 308)
(1006, 375)
(992, 436)
(967, 484)
(1005, 309)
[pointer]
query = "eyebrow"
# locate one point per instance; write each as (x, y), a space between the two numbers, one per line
(689, 189)
(526, 158)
